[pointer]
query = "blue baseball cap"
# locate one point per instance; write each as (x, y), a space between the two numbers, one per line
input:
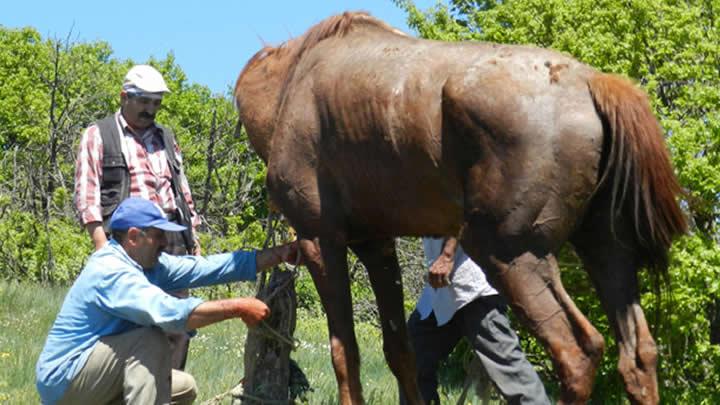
(141, 213)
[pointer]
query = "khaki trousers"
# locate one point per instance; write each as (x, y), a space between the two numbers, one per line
(131, 368)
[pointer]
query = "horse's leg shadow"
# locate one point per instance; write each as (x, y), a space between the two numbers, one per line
(530, 280)
(610, 259)
(380, 259)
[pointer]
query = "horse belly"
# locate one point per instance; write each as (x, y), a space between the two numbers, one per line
(393, 197)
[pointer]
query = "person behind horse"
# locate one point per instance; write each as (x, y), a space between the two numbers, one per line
(107, 345)
(457, 301)
(127, 154)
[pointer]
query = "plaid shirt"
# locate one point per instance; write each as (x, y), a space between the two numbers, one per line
(149, 171)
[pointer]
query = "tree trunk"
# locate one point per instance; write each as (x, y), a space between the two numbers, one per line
(715, 322)
(267, 355)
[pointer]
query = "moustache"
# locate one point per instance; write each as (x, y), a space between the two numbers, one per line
(147, 115)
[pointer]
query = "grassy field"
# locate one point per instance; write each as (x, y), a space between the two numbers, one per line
(216, 353)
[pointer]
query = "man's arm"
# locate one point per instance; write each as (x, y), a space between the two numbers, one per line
(97, 234)
(88, 171)
(250, 310)
(191, 272)
(287, 253)
(197, 250)
(439, 273)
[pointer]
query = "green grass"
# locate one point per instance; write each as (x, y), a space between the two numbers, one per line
(26, 313)
(216, 353)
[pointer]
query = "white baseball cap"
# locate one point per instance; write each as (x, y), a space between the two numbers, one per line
(144, 79)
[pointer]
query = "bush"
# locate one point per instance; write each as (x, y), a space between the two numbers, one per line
(31, 251)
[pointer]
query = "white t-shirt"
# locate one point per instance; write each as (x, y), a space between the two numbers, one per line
(467, 282)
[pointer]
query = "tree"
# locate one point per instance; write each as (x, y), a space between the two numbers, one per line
(51, 90)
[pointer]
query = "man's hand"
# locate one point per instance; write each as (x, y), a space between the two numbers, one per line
(197, 250)
(97, 234)
(250, 310)
(288, 253)
(439, 274)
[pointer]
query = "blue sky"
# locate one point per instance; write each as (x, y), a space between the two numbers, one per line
(211, 39)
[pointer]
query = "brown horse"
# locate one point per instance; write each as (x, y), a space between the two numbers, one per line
(370, 134)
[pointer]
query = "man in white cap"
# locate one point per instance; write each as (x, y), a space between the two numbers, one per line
(126, 155)
(106, 344)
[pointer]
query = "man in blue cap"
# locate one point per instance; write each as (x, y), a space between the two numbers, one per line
(129, 154)
(108, 342)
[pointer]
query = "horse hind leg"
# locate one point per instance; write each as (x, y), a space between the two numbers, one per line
(530, 281)
(610, 261)
(380, 259)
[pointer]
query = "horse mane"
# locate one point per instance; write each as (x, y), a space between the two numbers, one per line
(334, 26)
(338, 26)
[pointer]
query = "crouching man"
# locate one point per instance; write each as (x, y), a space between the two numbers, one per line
(107, 343)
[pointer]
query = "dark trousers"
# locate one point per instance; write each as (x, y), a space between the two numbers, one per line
(484, 323)
(179, 342)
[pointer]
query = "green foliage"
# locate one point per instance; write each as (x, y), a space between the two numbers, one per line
(672, 49)
(28, 250)
(50, 91)
(691, 363)
(307, 296)
(21, 101)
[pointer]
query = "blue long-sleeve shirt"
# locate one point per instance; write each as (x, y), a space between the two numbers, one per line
(113, 295)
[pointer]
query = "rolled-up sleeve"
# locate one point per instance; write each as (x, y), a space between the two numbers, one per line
(178, 272)
(88, 172)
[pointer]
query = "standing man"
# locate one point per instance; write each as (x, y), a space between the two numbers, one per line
(126, 155)
(458, 302)
(107, 345)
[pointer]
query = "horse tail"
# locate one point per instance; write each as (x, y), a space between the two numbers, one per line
(637, 171)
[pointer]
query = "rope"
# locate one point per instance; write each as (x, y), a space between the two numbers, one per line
(216, 399)
(268, 331)
(262, 400)
(264, 328)
(281, 287)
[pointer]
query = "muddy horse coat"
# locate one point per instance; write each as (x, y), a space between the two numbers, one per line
(370, 134)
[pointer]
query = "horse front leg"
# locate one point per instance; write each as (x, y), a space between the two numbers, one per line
(327, 261)
(380, 259)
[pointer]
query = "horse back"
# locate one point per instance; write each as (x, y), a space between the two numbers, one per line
(405, 120)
